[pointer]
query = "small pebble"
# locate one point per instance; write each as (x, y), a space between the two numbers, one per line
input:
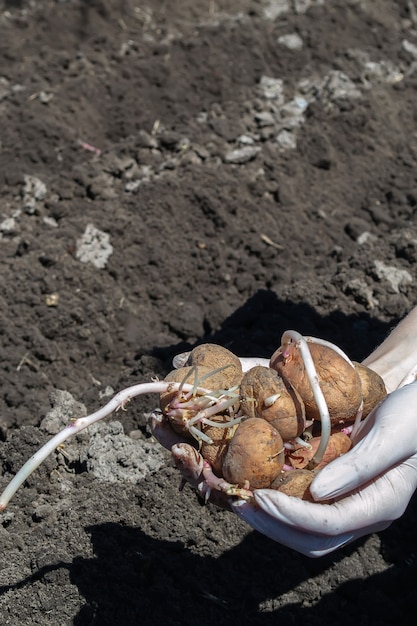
(291, 41)
(241, 155)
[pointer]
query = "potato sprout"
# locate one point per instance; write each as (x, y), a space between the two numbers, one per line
(119, 401)
(288, 338)
(231, 432)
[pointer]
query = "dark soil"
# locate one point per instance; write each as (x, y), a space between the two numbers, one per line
(246, 184)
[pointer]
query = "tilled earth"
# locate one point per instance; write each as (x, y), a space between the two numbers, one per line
(172, 173)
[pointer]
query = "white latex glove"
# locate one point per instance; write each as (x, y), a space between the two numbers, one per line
(379, 473)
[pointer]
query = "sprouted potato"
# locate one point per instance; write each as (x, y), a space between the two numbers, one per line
(263, 393)
(373, 387)
(255, 455)
(208, 407)
(338, 378)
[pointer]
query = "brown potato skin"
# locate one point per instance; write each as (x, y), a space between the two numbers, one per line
(339, 381)
(295, 483)
(213, 382)
(287, 414)
(255, 455)
(373, 388)
(339, 444)
(215, 452)
(213, 356)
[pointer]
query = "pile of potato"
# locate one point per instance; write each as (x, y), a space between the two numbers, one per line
(274, 443)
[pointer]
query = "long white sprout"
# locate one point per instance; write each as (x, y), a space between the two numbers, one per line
(119, 401)
(302, 343)
(292, 336)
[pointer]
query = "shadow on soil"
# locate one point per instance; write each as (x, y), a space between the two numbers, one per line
(255, 329)
(135, 579)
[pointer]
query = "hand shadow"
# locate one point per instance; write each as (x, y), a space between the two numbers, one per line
(255, 329)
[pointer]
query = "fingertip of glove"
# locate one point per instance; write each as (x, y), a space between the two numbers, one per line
(238, 503)
(239, 506)
(271, 502)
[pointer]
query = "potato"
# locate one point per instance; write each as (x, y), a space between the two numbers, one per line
(255, 455)
(295, 483)
(213, 356)
(286, 414)
(373, 388)
(339, 381)
(212, 382)
(339, 444)
(215, 452)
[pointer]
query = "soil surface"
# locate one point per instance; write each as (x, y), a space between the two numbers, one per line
(173, 173)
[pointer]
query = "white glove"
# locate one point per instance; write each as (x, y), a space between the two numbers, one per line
(380, 473)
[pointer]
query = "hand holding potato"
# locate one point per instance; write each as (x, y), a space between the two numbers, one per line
(243, 440)
(377, 477)
(373, 482)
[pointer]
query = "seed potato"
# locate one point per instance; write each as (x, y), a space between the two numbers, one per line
(255, 455)
(286, 414)
(339, 381)
(215, 452)
(295, 483)
(373, 388)
(213, 356)
(212, 382)
(339, 444)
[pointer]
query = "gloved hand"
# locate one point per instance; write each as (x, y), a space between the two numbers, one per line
(372, 484)
(379, 473)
